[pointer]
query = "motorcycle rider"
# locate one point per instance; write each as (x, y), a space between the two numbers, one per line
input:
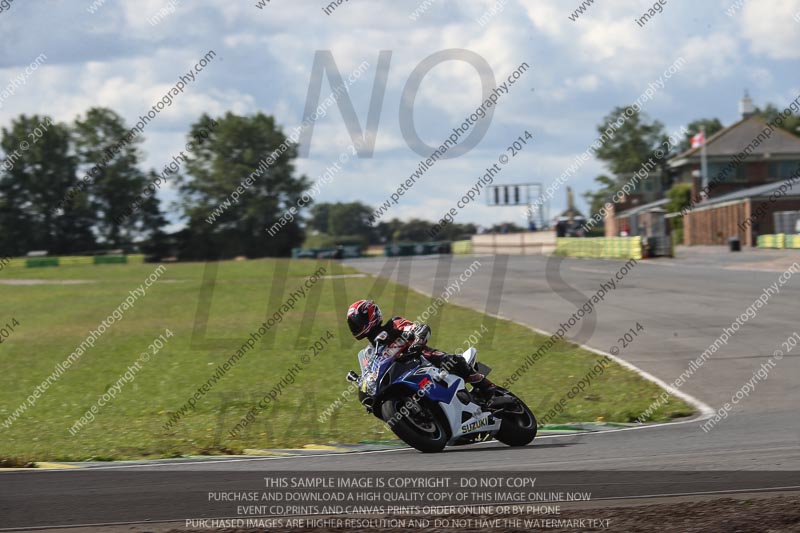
(405, 337)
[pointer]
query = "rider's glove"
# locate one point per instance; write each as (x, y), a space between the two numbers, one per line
(414, 349)
(422, 333)
(418, 337)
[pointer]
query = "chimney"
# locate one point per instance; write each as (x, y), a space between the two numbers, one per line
(746, 108)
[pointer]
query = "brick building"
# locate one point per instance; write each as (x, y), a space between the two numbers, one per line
(772, 155)
(744, 214)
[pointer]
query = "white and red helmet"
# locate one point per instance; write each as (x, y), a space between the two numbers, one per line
(362, 317)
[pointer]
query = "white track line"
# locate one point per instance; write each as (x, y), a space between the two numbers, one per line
(705, 410)
(179, 464)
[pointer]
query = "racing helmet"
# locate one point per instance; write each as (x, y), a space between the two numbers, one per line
(362, 317)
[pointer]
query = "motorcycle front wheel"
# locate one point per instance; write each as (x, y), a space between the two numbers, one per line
(418, 424)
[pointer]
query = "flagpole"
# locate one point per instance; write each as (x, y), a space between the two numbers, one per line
(704, 162)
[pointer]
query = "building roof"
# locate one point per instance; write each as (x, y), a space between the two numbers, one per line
(757, 192)
(642, 208)
(736, 137)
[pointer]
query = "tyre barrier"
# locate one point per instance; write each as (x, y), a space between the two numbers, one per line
(422, 248)
(779, 240)
(346, 252)
(461, 247)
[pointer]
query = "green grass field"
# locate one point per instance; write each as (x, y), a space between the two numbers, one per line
(55, 318)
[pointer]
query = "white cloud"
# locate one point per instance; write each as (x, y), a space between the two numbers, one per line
(579, 72)
(771, 28)
(709, 59)
(548, 16)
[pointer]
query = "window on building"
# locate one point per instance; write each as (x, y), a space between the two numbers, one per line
(780, 170)
(741, 173)
(718, 173)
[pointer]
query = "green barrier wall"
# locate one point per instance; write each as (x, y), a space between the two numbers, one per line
(600, 247)
(36, 262)
(109, 259)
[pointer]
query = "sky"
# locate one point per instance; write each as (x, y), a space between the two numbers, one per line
(127, 55)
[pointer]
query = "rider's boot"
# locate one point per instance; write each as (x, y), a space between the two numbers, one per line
(480, 382)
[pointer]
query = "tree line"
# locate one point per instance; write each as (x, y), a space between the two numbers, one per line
(80, 188)
(337, 223)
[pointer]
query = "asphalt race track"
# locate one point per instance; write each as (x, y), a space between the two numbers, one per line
(683, 303)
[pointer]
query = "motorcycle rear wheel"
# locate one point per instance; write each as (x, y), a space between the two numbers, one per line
(518, 425)
(424, 431)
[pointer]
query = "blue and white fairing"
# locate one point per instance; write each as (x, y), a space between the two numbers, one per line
(373, 367)
(425, 380)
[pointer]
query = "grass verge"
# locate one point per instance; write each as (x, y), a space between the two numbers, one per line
(55, 317)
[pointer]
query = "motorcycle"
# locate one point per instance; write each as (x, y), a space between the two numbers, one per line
(429, 408)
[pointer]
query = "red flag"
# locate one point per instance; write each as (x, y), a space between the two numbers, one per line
(698, 140)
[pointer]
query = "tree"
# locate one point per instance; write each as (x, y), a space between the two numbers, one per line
(636, 141)
(790, 124)
(350, 219)
(320, 215)
(415, 230)
(384, 232)
(632, 144)
(455, 232)
(341, 223)
(505, 227)
(680, 196)
(712, 125)
(150, 223)
(38, 172)
(598, 199)
(243, 175)
(102, 143)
